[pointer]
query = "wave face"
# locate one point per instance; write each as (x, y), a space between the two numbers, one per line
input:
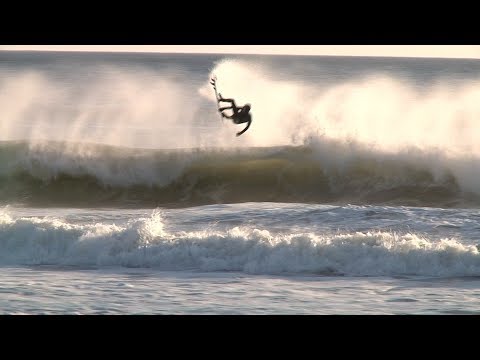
(330, 130)
(66, 174)
(144, 242)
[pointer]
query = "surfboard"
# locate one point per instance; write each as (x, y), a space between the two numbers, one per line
(213, 81)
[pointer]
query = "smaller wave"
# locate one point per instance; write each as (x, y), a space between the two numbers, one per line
(143, 242)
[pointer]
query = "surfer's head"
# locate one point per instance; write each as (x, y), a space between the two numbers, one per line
(246, 107)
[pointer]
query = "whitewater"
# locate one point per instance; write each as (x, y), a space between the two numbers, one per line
(123, 191)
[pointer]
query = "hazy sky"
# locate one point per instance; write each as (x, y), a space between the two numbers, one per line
(445, 51)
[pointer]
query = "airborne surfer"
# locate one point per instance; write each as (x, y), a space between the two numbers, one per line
(241, 114)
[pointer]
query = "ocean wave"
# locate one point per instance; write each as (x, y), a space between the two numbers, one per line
(68, 174)
(144, 242)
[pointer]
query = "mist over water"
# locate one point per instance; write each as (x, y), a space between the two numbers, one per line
(144, 106)
(117, 108)
(384, 112)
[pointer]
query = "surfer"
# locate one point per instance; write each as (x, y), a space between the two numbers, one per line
(241, 114)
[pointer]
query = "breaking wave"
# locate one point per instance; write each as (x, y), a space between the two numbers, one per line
(69, 174)
(143, 242)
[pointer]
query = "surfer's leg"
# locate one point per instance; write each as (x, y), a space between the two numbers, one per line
(246, 128)
(228, 100)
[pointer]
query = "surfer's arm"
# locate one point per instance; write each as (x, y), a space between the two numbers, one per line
(246, 128)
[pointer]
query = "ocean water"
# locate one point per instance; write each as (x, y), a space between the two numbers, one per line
(122, 191)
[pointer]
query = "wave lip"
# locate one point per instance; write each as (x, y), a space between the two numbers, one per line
(143, 242)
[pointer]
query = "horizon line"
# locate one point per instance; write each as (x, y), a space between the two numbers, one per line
(395, 51)
(244, 53)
